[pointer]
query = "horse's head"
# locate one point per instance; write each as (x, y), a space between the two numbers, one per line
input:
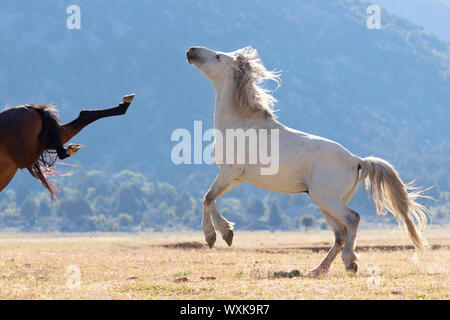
(214, 64)
(244, 68)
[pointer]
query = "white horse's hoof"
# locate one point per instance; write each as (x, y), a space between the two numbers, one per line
(228, 237)
(317, 272)
(352, 267)
(211, 239)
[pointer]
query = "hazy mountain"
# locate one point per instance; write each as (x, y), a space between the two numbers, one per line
(378, 92)
(432, 15)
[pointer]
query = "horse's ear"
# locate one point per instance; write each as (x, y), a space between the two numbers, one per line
(242, 66)
(249, 52)
(238, 71)
(244, 58)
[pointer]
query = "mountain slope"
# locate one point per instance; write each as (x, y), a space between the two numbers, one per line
(378, 92)
(432, 15)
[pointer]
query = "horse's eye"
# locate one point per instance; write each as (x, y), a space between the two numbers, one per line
(217, 57)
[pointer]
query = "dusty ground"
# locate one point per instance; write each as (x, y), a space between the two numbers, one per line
(180, 266)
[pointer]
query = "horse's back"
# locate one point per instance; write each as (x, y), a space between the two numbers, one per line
(309, 159)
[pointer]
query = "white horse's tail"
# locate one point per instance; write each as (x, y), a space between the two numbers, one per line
(388, 192)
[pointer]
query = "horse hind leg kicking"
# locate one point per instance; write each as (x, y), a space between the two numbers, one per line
(29, 134)
(348, 218)
(86, 117)
(54, 135)
(49, 136)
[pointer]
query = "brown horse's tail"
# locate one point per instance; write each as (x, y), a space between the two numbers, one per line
(50, 129)
(390, 193)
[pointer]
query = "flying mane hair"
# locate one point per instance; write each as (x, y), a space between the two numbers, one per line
(249, 97)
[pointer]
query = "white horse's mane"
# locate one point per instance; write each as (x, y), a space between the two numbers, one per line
(249, 97)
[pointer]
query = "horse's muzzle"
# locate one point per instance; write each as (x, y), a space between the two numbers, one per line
(191, 55)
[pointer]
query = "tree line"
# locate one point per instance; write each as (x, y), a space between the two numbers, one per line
(99, 200)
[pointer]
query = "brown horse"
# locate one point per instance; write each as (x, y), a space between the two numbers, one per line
(31, 137)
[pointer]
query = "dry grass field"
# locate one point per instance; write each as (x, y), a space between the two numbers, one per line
(180, 266)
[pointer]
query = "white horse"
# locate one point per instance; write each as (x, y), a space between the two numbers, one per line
(307, 163)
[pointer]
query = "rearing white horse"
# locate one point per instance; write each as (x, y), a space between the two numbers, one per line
(307, 163)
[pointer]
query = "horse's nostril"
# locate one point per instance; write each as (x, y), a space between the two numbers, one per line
(190, 54)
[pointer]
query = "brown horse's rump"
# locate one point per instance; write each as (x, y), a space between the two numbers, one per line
(48, 136)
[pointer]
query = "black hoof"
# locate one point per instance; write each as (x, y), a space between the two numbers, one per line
(228, 237)
(352, 267)
(211, 240)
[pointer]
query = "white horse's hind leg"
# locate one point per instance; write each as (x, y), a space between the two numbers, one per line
(339, 240)
(349, 256)
(347, 198)
(224, 182)
(350, 219)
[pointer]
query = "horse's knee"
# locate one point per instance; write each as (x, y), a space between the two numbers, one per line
(351, 221)
(355, 217)
(208, 199)
(339, 241)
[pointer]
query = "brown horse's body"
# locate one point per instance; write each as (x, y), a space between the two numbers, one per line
(28, 133)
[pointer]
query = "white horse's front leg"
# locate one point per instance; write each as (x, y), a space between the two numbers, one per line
(208, 227)
(225, 227)
(225, 181)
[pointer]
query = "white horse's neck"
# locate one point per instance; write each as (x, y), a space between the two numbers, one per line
(223, 113)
